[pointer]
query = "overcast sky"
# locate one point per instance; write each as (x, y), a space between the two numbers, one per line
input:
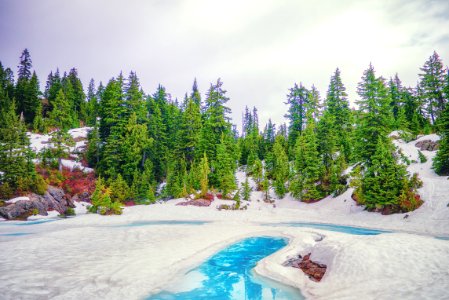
(259, 48)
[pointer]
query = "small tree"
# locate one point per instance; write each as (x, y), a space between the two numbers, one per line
(246, 190)
(422, 157)
(257, 173)
(266, 186)
(204, 173)
(101, 201)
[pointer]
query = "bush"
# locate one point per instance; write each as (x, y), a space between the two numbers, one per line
(39, 186)
(70, 211)
(6, 191)
(406, 136)
(101, 201)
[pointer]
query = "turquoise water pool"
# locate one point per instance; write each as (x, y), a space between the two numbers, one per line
(331, 227)
(228, 275)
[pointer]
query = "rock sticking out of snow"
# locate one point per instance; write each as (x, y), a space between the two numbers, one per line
(427, 145)
(314, 270)
(53, 199)
(196, 202)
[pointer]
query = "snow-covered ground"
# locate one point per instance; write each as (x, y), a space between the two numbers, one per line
(96, 257)
(38, 142)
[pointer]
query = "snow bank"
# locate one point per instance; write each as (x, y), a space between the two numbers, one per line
(71, 164)
(14, 200)
(80, 132)
(132, 262)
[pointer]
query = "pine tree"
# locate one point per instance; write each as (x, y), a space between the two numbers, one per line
(92, 104)
(25, 65)
(27, 89)
(189, 133)
(337, 106)
(281, 168)
(375, 115)
(93, 146)
(266, 186)
(79, 98)
(6, 86)
(17, 170)
(112, 109)
(441, 160)
(297, 100)
(61, 116)
(119, 190)
(308, 167)
(54, 84)
(142, 187)
(383, 181)
(157, 131)
(204, 173)
(224, 168)
(216, 121)
(432, 83)
(134, 148)
(196, 96)
(134, 98)
(246, 190)
(257, 172)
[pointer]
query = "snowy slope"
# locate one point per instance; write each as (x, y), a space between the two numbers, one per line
(38, 142)
(92, 256)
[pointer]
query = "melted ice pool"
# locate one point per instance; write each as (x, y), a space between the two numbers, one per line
(228, 275)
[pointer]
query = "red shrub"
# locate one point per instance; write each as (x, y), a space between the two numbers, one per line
(209, 196)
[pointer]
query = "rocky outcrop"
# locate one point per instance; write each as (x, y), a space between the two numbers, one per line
(314, 270)
(427, 145)
(196, 202)
(53, 199)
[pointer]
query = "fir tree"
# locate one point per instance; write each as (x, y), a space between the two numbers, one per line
(204, 173)
(432, 83)
(266, 186)
(216, 121)
(308, 167)
(196, 96)
(189, 133)
(134, 98)
(17, 170)
(246, 190)
(27, 89)
(119, 190)
(224, 168)
(79, 103)
(54, 84)
(92, 104)
(297, 100)
(375, 114)
(257, 172)
(60, 116)
(134, 148)
(112, 109)
(383, 181)
(337, 106)
(93, 147)
(281, 168)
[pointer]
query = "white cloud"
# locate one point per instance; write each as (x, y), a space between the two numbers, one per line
(258, 48)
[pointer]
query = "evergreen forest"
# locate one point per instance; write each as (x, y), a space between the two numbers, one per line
(146, 146)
